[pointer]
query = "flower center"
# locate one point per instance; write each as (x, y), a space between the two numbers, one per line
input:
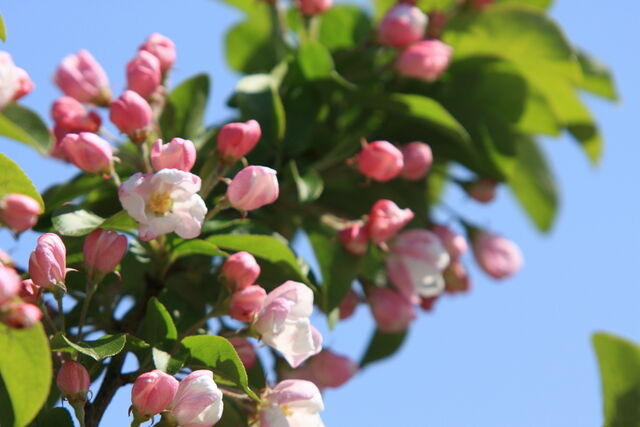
(286, 410)
(160, 203)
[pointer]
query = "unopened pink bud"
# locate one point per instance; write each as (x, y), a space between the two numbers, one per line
(330, 369)
(20, 315)
(103, 250)
(455, 244)
(313, 7)
(245, 350)
(72, 116)
(402, 25)
(73, 381)
(252, 188)
(19, 212)
(245, 303)
(236, 140)
(349, 304)
(153, 392)
(240, 270)
(386, 219)
(132, 115)
(25, 84)
(9, 283)
(417, 158)
(162, 48)
(144, 74)
(380, 160)
(29, 292)
(428, 303)
(355, 238)
(81, 77)
(456, 278)
(177, 154)
(48, 263)
(392, 311)
(482, 190)
(425, 60)
(89, 152)
(497, 256)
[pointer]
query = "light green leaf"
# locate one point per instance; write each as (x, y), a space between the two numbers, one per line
(21, 124)
(619, 361)
(14, 180)
(344, 26)
(381, 346)
(219, 355)
(25, 371)
(597, 77)
(250, 45)
(3, 30)
(158, 326)
(315, 60)
(70, 220)
(120, 221)
(168, 363)
(541, 4)
(184, 110)
(107, 346)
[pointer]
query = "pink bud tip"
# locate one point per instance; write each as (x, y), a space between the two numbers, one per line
(88, 152)
(380, 160)
(246, 303)
(153, 392)
(236, 140)
(47, 263)
(252, 188)
(498, 257)
(161, 47)
(73, 381)
(9, 283)
(425, 60)
(103, 250)
(386, 219)
(240, 270)
(392, 311)
(355, 238)
(178, 154)
(417, 158)
(132, 115)
(19, 212)
(402, 25)
(25, 84)
(19, 315)
(314, 7)
(482, 190)
(144, 74)
(81, 77)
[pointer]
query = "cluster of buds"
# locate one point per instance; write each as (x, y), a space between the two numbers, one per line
(17, 309)
(382, 161)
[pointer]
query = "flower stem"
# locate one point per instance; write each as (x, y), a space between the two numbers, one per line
(91, 290)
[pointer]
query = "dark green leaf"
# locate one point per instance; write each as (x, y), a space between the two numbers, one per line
(21, 124)
(381, 346)
(619, 362)
(107, 346)
(26, 371)
(158, 325)
(218, 354)
(315, 60)
(257, 97)
(14, 180)
(70, 220)
(58, 417)
(183, 113)
(596, 77)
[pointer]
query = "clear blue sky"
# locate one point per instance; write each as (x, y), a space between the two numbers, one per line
(508, 354)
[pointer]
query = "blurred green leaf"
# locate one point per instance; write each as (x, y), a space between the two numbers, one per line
(381, 346)
(58, 417)
(257, 98)
(619, 362)
(344, 26)
(597, 77)
(250, 45)
(184, 110)
(315, 60)
(3, 29)
(533, 184)
(542, 4)
(25, 371)
(106, 346)
(21, 124)
(78, 186)
(219, 355)
(158, 326)
(309, 185)
(14, 180)
(196, 246)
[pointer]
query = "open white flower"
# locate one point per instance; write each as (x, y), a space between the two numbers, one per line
(164, 202)
(283, 322)
(291, 403)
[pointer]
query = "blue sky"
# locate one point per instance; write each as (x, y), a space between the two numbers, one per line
(515, 353)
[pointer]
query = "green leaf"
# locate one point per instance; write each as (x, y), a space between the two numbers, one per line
(597, 78)
(21, 124)
(315, 60)
(257, 98)
(3, 30)
(158, 326)
(106, 346)
(58, 417)
(168, 363)
(533, 184)
(440, 5)
(196, 246)
(26, 371)
(250, 45)
(344, 26)
(218, 354)
(120, 221)
(381, 346)
(619, 362)
(267, 248)
(70, 220)
(309, 185)
(184, 111)
(541, 4)
(14, 180)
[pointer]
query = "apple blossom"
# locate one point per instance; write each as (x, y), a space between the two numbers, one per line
(236, 140)
(152, 393)
(161, 47)
(380, 161)
(19, 212)
(252, 188)
(392, 311)
(144, 74)
(246, 302)
(497, 256)
(291, 403)
(177, 154)
(48, 262)
(88, 152)
(386, 219)
(240, 270)
(198, 401)
(164, 202)
(417, 158)
(355, 238)
(103, 250)
(81, 77)
(402, 25)
(425, 60)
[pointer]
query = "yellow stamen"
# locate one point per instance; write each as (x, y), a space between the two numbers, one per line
(160, 203)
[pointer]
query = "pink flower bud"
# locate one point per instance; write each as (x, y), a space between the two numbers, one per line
(355, 238)
(89, 152)
(73, 381)
(48, 263)
(456, 278)
(245, 350)
(386, 219)
(417, 158)
(19, 212)
(455, 244)
(177, 154)
(103, 250)
(29, 292)
(252, 188)
(81, 77)
(313, 7)
(402, 25)
(9, 283)
(162, 48)
(236, 140)
(392, 311)
(245, 303)
(144, 74)
(20, 315)
(482, 190)
(329, 369)
(152, 393)
(425, 60)
(131, 114)
(25, 84)
(71, 116)
(349, 304)
(428, 303)
(198, 401)
(497, 256)
(240, 270)
(380, 160)
(416, 262)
